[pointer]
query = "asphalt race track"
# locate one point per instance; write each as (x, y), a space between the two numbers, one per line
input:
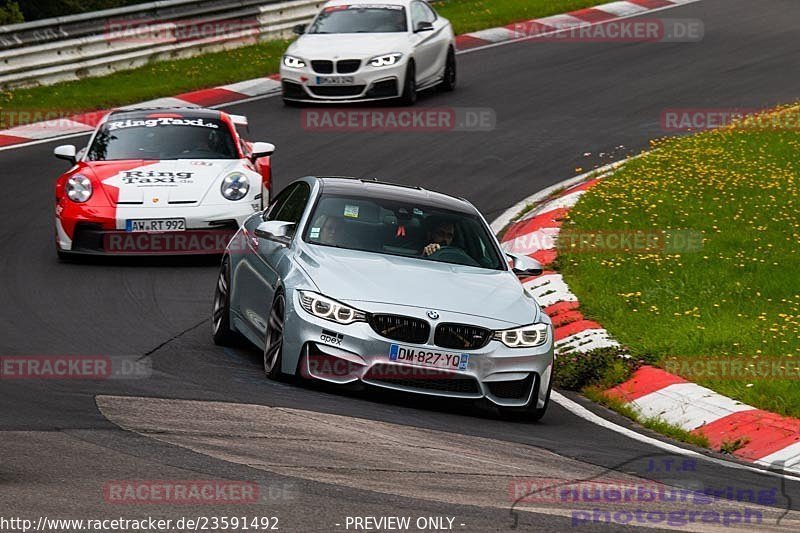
(322, 455)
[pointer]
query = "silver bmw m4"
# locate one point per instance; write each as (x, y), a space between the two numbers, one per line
(348, 280)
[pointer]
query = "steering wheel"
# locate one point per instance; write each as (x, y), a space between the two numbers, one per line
(453, 254)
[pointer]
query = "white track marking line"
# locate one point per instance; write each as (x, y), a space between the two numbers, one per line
(622, 9)
(580, 411)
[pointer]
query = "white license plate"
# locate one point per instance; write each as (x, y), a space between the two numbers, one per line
(336, 80)
(155, 224)
(425, 357)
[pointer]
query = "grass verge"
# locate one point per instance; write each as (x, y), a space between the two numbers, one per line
(594, 372)
(167, 78)
(735, 297)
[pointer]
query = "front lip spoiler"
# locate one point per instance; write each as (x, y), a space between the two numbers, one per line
(347, 101)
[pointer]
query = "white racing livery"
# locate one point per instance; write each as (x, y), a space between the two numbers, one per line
(160, 181)
(357, 50)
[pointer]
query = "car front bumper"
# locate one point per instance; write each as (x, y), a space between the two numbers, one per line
(368, 84)
(88, 231)
(324, 350)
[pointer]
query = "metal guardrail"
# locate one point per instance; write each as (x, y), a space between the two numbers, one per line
(47, 51)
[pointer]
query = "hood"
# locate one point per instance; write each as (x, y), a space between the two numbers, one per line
(352, 277)
(184, 181)
(355, 45)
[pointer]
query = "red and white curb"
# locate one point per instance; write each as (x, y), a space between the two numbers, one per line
(547, 26)
(765, 438)
(244, 90)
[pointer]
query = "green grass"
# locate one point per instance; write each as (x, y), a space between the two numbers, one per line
(472, 15)
(655, 424)
(167, 78)
(154, 80)
(739, 296)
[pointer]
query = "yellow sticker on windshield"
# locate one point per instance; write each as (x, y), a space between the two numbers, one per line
(351, 211)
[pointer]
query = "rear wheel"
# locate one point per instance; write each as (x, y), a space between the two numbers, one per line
(273, 347)
(220, 313)
(449, 79)
(409, 96)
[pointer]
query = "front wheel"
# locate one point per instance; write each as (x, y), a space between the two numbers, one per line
(273, 346)
(409, 96)
(220, 313)
(449, 78)
(529, 413)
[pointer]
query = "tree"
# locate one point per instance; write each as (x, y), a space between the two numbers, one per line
(10, 13)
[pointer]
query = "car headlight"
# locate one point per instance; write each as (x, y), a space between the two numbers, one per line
(386, 60)
(293, 62)
(524, 337)
(79, 188)
(235, 186)
(329, 309)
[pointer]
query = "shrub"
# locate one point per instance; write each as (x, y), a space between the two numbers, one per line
(604, 367)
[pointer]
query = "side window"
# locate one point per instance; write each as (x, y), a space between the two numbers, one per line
(429, 13)
(417, 14)
(292, 209)
(279, 202)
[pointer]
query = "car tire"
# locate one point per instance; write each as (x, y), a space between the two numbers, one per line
(273, 344)
(221, 310)
(409, 96)
(529, 413)
(449, 78)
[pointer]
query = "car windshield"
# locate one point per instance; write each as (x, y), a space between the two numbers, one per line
(360, 19)
(393, 227)
(163, 138)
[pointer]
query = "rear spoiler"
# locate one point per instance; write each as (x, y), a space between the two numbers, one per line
(239, 120)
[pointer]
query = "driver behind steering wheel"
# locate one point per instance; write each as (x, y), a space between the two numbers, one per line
(440, 233)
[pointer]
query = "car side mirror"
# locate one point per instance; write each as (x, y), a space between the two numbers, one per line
(66, 152)
(275, 230)
(299, 29)
(261, 150)
(524, 266)
(424, 25)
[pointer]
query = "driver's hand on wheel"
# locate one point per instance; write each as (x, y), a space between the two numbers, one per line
(431, 248)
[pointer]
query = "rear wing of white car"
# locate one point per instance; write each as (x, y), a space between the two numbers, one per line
(239, 120)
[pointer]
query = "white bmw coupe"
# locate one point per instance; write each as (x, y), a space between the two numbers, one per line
(358, 50)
